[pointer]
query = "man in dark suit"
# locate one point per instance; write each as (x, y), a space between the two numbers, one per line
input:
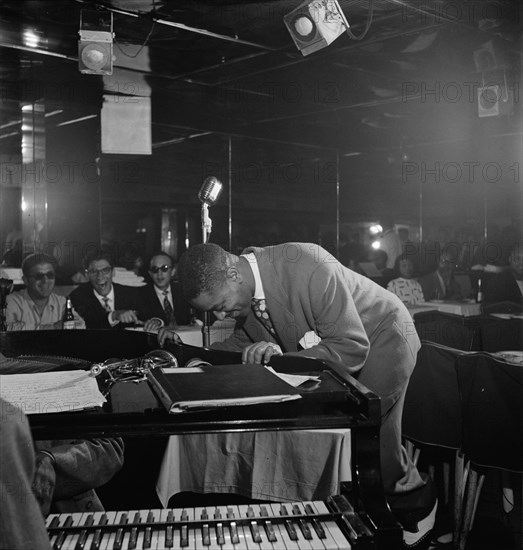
(506, 286)
(441, 284)
(161, 300)
(101, 303)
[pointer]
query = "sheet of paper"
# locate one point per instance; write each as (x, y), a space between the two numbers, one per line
(294, 380)
(51, 392)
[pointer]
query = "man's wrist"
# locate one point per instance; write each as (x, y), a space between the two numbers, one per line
(47, 454)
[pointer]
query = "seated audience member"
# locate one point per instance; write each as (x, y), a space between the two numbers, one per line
(37, 307)
(161, 301)
(22, 526)
(379, 258)
(102, 303)
(406, 288)
(506, 286)
(440, 284)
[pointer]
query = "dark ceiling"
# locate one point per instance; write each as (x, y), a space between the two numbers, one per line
(402, 98)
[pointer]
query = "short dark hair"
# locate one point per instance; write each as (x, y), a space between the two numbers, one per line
(36, 259)
(161, 253)
(401, 258)
(95, 256)
(202, 269)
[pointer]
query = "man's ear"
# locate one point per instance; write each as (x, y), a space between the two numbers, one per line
(233, 273)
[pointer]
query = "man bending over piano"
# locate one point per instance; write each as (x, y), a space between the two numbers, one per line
(280, 293)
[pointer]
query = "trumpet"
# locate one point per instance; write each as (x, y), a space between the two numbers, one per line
(137, 367)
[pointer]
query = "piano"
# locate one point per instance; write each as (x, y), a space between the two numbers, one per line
(360, 515)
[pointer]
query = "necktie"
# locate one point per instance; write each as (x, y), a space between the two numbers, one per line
(260, 310)
(107, 307)
(169, 317)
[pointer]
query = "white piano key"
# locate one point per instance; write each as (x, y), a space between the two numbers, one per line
(193, 535)
(140, 541)
(106, 535)
(266, 511)
(96, 517)
(222, 512)
(281, 530)
(132, 530)
(69, 541)
(50, 521)
(247, 510)
(303, 543)
(158, 534)
(336, 539)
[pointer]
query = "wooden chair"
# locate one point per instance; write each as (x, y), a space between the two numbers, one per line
(491, 393)
(432, 423)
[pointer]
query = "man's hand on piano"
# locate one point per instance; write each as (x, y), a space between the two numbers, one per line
(153, 324)
(260, 353)
(44, 481)
(126, 316)
(166, 334)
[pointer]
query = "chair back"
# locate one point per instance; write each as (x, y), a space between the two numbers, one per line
(432, 413)
(492, 410)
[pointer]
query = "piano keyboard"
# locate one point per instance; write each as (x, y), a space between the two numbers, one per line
(271, 526)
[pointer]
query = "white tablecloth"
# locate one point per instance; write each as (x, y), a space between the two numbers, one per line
(293, 465)
(467, 309)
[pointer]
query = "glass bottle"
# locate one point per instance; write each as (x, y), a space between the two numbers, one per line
(68, 318)
(479, 293)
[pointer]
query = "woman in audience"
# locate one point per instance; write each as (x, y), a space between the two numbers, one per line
(406, 288)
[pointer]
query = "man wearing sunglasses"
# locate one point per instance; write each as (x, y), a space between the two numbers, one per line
(37, 307)
(162, 303)
(102, 303)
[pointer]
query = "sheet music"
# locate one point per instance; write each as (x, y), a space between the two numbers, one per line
(51, 392)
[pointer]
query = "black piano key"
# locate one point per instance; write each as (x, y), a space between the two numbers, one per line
(235, 539)
(317, 526)
(302, 524)
(147, 536)
(220, 536)
(255, 532)
(291, 530)
(82, 537)
(184, 536)
(169, 530)
(133, 538)
(230, 513)
(206, 538)
(289, 526)
(97, 537)
(62, 534)
(120, 532)
(204, 514)
(269, 529)
(217, 514)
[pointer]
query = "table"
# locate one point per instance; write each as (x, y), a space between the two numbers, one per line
(464, 308)
(293, 465)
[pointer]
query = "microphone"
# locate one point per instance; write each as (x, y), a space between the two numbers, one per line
(210, 190)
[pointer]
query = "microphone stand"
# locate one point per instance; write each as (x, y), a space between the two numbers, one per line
(206, 231)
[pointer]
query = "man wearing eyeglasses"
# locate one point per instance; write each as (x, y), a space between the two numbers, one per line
(37, 307)
(441, 284)
(162, 303)
(102, 303)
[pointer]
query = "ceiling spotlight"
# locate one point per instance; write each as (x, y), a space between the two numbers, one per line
(95, 47)
(315, 24)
